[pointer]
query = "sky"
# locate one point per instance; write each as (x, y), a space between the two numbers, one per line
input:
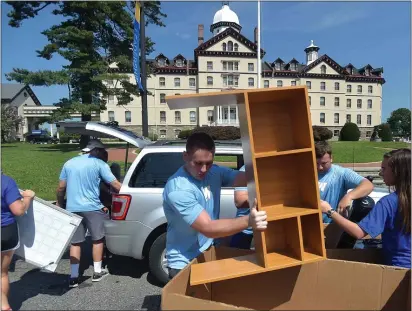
(361, 33)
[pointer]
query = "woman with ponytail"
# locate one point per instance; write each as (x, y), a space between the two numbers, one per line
(391, 216)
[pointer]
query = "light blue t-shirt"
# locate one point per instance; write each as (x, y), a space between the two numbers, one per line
(83, 175)
(184, 198)
(243, 211)
(335, 183)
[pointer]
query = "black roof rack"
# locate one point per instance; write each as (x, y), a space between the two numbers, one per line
(236, 142)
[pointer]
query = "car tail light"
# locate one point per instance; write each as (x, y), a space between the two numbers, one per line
(120, 206)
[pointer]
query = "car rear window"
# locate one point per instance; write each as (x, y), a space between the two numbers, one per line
(154, 169)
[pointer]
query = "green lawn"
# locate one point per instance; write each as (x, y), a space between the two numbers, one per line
(37, 167)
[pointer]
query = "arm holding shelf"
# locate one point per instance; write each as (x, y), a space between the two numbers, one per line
(362, 188)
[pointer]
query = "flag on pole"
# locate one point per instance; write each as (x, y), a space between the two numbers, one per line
(136, 46)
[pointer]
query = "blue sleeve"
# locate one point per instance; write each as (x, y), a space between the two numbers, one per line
(374, 223)
(242, 169)
(185, 203)
(63, 173)
(12, 192)
(228, 176)
(106, 173)
(351, 179)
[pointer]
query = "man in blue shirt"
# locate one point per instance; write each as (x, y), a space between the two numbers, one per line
(191, 202)
(334, 182)
(80, 181)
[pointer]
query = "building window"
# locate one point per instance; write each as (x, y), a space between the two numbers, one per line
(209, 80)
(162, 98)
(359, 88)
(336, 101)
(111, 99)
(309, 84)
(111, 115)
(192, 116)
(177, 133)
(359, 119)
(128, 116)
(279, 83)
(322, 117)
(162, 81)
(162, 116)
(369, 119)
(230, 66)
(336, 133)
(161, 62)
(251, 82)
(224, 47)
(179, 63)
(337, 86)
(322, 86)
(162, 133)
(322, 101)
(230, 46)
(177, 82)
(236, 47)
(293, 83)
(359, 105)
(336, 118)
(266, 83)
(293, 67)
(251, 67)
(368, 134)
(348, 118)
(230, 80)
(310, 100)
(370, 89)
(209, 65)
(349, 103)
(369, 103)
(178, 117)
(210, 116)
(323, 69)
(192, 82)
(277, 66)
(109, 83)
(349, 88)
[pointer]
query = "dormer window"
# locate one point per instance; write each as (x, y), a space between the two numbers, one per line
(230, 46)
(179, 63)
(277, 66)
(161, 62)
(323, 69)
(367, 72)
(236, 47)
(293, 67)
(224, 47)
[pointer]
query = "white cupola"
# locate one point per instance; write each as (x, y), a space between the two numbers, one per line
(223, 19)
(311, 53)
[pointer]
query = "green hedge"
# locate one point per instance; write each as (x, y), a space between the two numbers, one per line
(349, 132)
(216, 132)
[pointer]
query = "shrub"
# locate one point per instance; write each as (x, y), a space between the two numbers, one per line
(220, 132)
(384, 131)
(65, 137)
(184, 134)
(321, 133)
(349, 132)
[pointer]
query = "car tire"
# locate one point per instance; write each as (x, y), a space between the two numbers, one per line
(156, 254)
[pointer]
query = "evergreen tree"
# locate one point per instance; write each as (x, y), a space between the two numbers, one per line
(93, 35)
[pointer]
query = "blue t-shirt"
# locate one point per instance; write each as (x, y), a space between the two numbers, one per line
(383, 219)
(83, 175)
(184, 198)
(9, 194)
(335, 183)
(243, 211)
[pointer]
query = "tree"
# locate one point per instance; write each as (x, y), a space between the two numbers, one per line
(93, 35)
(321, 133)
(349, 132)
(400, 122)
(10, 121)
(384, 132)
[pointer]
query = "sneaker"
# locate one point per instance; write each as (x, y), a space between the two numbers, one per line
(73, 282)
(97, 276)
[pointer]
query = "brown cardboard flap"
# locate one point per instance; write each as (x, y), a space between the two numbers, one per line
(395, 289)
(367, 255)
(181, 302)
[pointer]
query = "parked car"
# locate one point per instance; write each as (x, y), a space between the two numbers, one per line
(137, 227)
(41, 139)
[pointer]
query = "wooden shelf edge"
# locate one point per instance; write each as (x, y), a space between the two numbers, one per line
(278, 212)
(267, 154)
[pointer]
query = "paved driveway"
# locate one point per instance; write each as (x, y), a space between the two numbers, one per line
(129, 287)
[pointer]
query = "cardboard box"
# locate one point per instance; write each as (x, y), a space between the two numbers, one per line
(348, 280)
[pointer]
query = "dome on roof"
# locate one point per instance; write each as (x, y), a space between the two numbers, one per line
(225, 14)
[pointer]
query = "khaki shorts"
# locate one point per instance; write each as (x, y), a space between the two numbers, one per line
(92, 221)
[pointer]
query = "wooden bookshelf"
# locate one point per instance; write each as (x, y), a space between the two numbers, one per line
(278, 151)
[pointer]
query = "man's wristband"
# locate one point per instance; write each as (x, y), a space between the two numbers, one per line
(330, 212)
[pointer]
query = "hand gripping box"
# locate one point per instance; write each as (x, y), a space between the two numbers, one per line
(347, 280)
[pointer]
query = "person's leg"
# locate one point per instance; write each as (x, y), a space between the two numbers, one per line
(95, 223)
(241, 240)
(5, 263)
(75, 254)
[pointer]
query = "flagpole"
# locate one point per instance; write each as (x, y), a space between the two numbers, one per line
(259, 64)
(143, 93)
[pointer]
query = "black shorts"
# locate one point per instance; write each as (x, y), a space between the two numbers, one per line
(10, 237)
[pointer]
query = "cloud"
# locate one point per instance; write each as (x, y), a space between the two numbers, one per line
(183, 36)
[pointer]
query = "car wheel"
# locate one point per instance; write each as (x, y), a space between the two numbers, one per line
(157, 259)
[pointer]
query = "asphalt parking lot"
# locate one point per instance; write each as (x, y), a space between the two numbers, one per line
(128, 287)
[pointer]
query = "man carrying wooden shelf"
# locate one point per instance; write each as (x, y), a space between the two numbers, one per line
(191, 203)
